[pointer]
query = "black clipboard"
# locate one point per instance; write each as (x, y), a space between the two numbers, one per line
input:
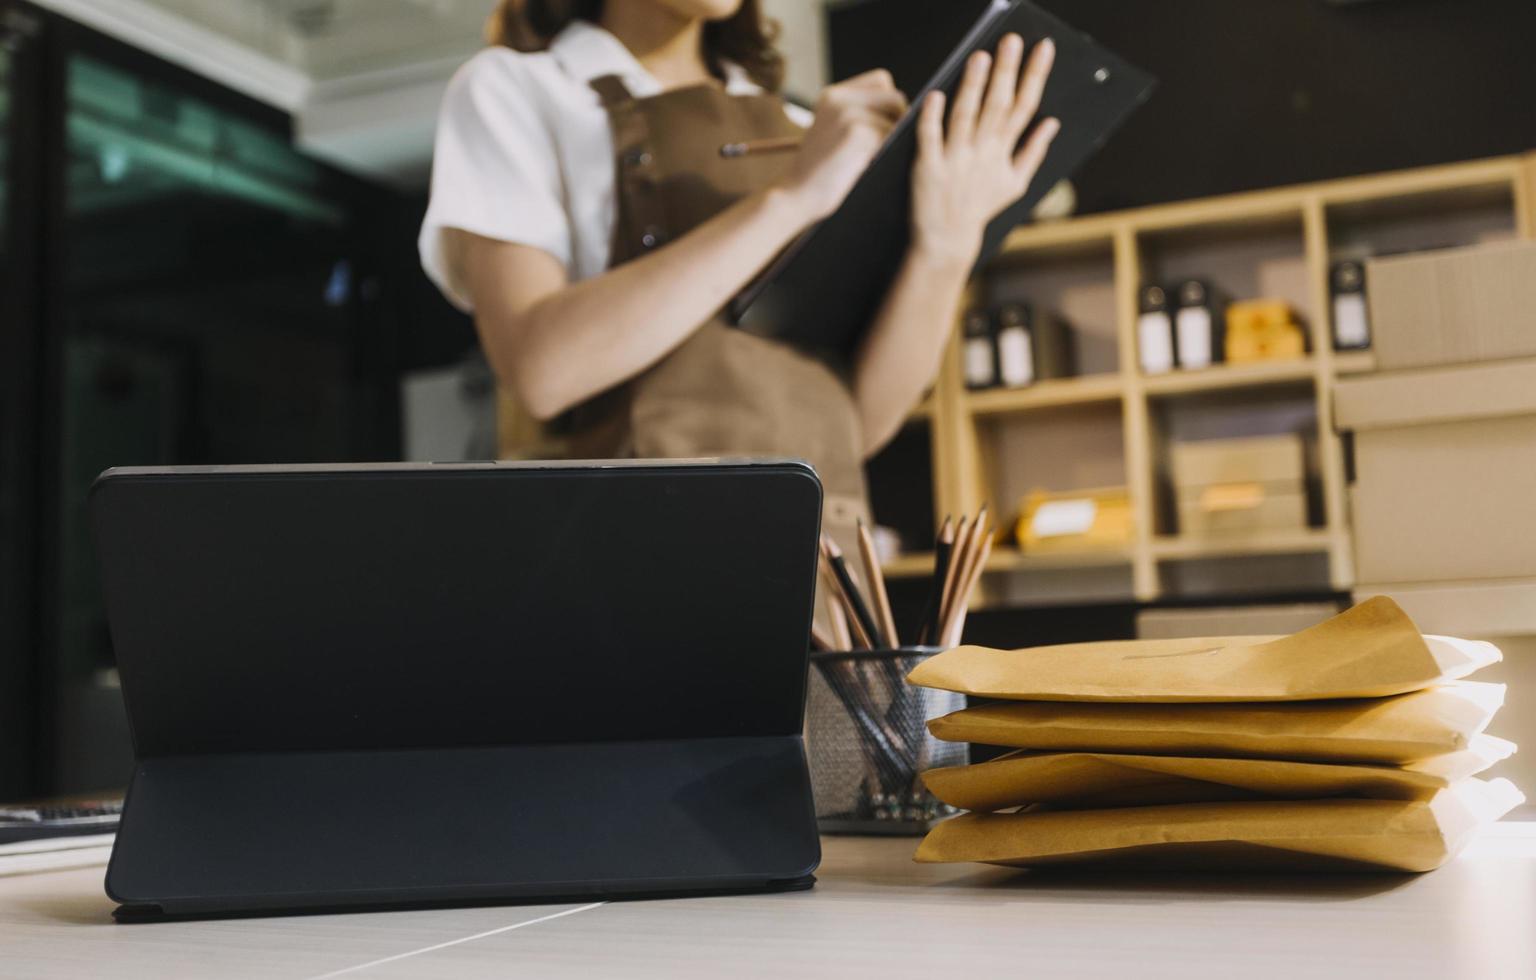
(822, 292)
(366, 686)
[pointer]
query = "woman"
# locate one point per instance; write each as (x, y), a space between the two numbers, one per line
(583, 210)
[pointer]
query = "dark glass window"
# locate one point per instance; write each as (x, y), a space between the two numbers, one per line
(214, 300)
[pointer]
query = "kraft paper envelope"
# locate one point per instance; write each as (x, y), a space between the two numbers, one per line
(1372, 650)
(1087, 780)
(1380, 730)
(1288, 835)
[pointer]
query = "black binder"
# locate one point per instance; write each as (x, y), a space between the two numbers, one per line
(370, 686)
(823, 291)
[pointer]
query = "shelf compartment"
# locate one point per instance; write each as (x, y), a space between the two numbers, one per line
(1173, 547)
(1354, 362)
(1218, 377)
(1064, 239)
(1011, 559)
(1074, 281)
(1051, 393)
(1433, 219)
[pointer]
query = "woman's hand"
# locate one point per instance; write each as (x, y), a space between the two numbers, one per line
(852, 121)
(963, 178)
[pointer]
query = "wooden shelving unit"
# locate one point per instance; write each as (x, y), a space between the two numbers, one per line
(1275, 243)
(1111, 425)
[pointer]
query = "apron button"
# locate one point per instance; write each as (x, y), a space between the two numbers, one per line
(637, 158)
(651, 238)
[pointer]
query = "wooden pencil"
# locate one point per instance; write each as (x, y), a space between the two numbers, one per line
(957, 626)
(970, 560)
(941, 549)
(837, 623)
(859, 638)
(822, 639)
(885, 618)
(851, 594)
(956, 559)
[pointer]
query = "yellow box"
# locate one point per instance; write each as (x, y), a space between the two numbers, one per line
(1078, 520)
(1263, 330)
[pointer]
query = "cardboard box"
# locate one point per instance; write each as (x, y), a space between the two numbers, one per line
(1252, 459)
(1239, 508)
(1445, 464)
(1489, 609)
(1174, 624)
(1454, 306)
(1232, 486)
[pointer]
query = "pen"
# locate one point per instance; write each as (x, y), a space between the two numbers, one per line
(776, 144)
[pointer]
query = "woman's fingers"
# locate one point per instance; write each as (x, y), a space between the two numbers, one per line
(930, 127)
(962, 117)
(1031, 87)
(1027, 161)
(875, 78)
(887, 102)
(997, 109)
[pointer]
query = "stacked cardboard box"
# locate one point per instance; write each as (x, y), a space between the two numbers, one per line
(1351, 745)
(1445, 432)
(1243, 485)
(1444, 447)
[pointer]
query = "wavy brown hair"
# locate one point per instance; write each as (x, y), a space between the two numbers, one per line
(745, 38)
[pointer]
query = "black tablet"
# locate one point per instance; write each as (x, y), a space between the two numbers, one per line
(824, 290)
(365, 686)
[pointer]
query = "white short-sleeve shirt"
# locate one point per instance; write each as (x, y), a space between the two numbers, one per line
(524, 153)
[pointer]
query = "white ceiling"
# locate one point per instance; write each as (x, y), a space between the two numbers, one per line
(362, 78)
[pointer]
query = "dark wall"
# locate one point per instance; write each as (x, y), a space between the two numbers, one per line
(1261, 93)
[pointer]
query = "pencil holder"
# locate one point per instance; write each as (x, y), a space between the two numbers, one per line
(868, 740)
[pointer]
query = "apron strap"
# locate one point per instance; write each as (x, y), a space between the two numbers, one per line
(612, 90)
(643, 225)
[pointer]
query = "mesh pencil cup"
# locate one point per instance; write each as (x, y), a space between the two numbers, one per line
(868, 740)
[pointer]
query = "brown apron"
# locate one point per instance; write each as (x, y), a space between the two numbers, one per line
(722, 392)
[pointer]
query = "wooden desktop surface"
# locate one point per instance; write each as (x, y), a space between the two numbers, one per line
(873, 914)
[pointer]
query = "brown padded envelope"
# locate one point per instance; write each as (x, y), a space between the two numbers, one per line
(1296, 835)
(1371, 650)
(1101, 779)
(1385, 730)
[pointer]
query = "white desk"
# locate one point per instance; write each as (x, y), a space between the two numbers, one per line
(873, 914)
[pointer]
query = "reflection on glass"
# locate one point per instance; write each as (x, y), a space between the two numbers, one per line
(204, 322)
(5, 147)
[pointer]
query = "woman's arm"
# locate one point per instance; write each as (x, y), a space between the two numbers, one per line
(961, 180)
(558, 344)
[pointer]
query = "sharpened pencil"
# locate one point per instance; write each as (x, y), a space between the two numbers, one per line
(929, 632)
(873, 574)
(851, 594)
(859, 637)
(956, 559)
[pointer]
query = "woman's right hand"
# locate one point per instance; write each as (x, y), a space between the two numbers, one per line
(853, 119)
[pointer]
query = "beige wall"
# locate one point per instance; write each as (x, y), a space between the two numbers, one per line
(1517, 721)
(803, 42)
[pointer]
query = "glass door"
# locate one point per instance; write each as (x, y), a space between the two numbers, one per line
(20, 389)
(214, 307)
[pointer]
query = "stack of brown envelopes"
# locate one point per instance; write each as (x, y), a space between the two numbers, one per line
(1353, 745)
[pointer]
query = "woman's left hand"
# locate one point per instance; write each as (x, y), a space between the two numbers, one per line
(964, 177)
